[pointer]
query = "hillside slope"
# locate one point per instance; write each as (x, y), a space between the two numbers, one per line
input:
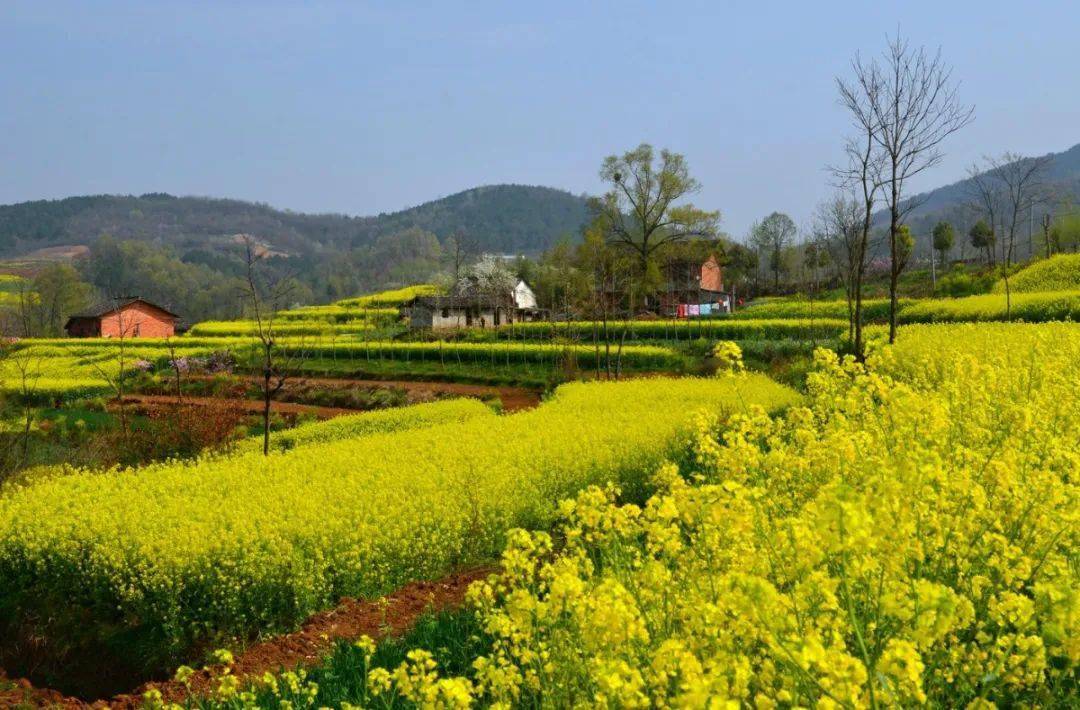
(497, 218)
(952, 202)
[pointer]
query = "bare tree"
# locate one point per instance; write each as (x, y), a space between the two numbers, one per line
(839, 222)
(266, 295)
(116, 380)
(861, 175)
(26, 368)
(178, 367)
(1010, 186)
(458, 251)
(987, 199)
(915, 108)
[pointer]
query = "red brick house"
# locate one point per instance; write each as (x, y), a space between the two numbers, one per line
(694, 283)
(130, 317)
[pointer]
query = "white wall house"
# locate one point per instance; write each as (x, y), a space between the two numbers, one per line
(524, 296)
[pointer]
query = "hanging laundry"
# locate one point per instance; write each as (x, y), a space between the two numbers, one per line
(695, 309)
(681, 310)
(706, 309)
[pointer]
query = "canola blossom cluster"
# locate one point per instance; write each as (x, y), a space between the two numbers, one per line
(908, 537)
(382, 421)
(390, 299)
(1032, 305)
(1060, 272)
(790, 307)
(1037, 307)
(179, 553)
(283, 328)
(69, 367)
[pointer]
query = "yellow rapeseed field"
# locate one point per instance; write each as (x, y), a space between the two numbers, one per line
(909, 537)
(170, 554)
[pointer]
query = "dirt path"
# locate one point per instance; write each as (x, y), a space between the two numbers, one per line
(391, 615)
(513, 398)
(247, 405)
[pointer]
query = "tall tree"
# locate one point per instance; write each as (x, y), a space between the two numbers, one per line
(840, 222)
(772, 236)
(45, 302)
(458, 250)
(266, 295)
(861, 175)
(642, 210)
(916, 108)
(982, 237)
(944, 238)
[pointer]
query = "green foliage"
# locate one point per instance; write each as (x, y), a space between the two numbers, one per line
(643, 211)
(118, 268)
(772, 236)
(982, 235)
(944, 236)
(961, 281)
(499, 218)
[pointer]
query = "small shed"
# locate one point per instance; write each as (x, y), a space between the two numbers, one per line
(129, 317)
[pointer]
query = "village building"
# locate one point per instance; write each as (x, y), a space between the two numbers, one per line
(125, 317)
(694, 288)
(474, 309)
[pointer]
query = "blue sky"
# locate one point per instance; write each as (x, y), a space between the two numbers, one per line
(369, 107)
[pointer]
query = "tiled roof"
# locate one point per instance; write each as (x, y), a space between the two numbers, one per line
(106, 307)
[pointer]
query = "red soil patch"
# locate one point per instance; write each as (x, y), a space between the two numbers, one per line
(513, 398)
(237, 404)
(62, 252)
(387, 616)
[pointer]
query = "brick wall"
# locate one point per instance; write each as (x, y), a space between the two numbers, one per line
(712, 275)
(139, 320)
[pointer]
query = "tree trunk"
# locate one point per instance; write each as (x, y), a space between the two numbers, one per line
(266, 401)
(894, 271)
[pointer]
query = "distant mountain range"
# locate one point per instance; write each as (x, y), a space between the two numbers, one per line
(953, 202)
(496, 218)
(505, 219)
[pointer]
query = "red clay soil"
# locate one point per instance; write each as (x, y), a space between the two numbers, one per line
(245, 405)
(513, 398)
(391, 615)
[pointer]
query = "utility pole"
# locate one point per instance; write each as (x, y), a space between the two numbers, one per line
(1046, 232)
(1031, 230)
(933, 266)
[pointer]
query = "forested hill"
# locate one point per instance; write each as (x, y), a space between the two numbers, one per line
(953, 202)
(496, 218)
